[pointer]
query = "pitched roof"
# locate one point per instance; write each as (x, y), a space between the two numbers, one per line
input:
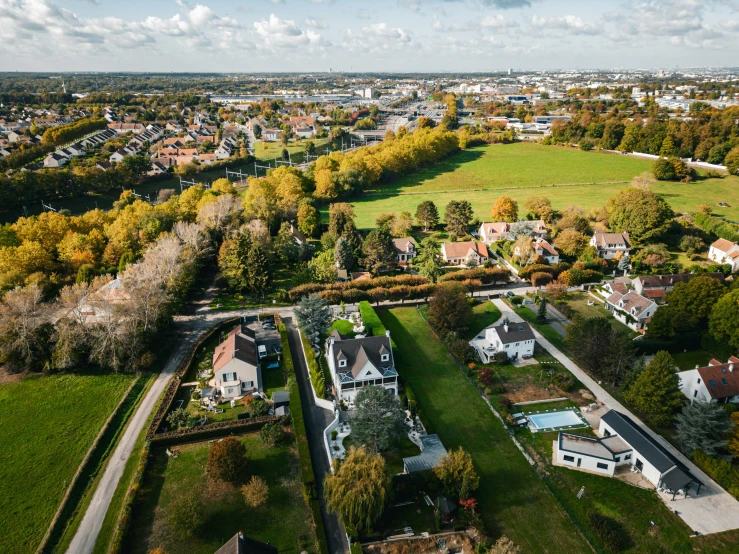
(639, 440)
(432, 452)
(357, 352)
(239, 544)
(401, 245)
(462, 249)
(660, 281)
(240, 344)
(620, 288)
(517, 332)
(495, 228)
(723, 245)
(630, 300)
(548, 249)
(621, 240)
(721, 380)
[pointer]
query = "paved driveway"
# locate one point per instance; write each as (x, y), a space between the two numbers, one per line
(714, 510)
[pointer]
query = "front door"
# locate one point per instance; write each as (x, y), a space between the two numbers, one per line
(639, 465)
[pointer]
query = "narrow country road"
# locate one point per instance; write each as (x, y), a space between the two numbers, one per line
(316, 420)
(186, 329)
(712, 511)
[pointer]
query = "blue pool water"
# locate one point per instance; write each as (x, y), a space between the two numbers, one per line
(554, 420)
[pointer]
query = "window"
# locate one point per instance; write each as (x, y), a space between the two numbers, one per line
(342, 363)
(229, 390)
(627, 457)
(385, 357)
(618, 458)
(600, 465)
(699, 380)
(249, 383)
(724, 381)
(569, 458)
(695, 394)
(713, 383)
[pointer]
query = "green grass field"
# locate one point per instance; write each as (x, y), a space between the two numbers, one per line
(284, 521)
(47, 424)
(513, 500)
(522, 170)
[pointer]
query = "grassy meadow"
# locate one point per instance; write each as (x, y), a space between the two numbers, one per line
(47, 424)
(568, 177)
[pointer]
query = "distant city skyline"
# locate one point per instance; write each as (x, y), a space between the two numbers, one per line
(357, 36)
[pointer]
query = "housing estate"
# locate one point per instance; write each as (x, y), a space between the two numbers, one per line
(632, 309)
(464, 253)
(725, 252)
(515, 339)
(716, 382)
(405, 250)
(655, 287)
(623, 443)
(609, 245)
(500, 230)
(360, 362)
(236, 367)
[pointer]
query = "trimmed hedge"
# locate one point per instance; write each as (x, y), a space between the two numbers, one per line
(72, 131)
(486, 275)
(717, 226)
(317, 378)
(354, 291)
(371, 320)
(217, 429)
(720, 470)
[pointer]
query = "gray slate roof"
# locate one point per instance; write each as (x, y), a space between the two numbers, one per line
(239, 544)
(357, 352)
(431, 454)
(517, 332)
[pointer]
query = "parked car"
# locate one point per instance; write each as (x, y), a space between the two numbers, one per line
(510, 293)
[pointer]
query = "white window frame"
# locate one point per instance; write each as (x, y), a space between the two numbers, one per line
(342, 363)
(385, 357)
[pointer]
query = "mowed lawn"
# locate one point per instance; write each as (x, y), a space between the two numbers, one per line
(482, 174)
(284, 521)
(513, 500)
(47, 424)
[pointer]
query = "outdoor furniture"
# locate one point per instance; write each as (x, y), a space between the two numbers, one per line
(219, 410)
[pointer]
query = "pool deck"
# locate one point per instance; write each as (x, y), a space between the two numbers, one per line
(583, 422)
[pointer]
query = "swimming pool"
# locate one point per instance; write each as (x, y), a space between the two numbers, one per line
(552, 421)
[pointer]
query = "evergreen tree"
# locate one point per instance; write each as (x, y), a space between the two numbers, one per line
(541, 316)
(233, 259)
(343, 254)
(704, 426)
(313, 315)
(427, 215)
(379, 250)
(285, 246)
(258, 273)
(428, 261)
(656, 391)
(377, 419)
(457, 216)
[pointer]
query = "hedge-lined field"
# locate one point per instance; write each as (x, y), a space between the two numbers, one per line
(47, 424)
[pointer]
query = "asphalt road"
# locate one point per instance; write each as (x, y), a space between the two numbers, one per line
(316, 420)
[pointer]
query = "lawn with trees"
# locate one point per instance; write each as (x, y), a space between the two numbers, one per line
(47, 424)
(185, 508)
(512, 499)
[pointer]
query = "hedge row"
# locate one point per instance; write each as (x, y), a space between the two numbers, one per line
(174, 383)
(124, 519)
(72, 131)
(359, 285)
(371, 320)
(717, 226)
(720, 470)
(487, 275)
(317, 378)
(301, 439)
(397, 293)
(217, 429)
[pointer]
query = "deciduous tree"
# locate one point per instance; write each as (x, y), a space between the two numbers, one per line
(505, 209)
(642, 214)
(255, 492)
(427, 215)
(449, 309)
(227, 460)
(457, 472)
(457, 216)
(724, 320)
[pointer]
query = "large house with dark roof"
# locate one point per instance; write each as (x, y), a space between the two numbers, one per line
(360, 362)
(622, 442)
(717, 382)
(236, 369)
(515, 339)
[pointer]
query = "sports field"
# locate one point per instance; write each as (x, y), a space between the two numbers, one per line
(521, 170)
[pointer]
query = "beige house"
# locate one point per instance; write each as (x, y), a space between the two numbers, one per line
(464, 253)
(236, 369)
(609, 245)
(725, 252)
(405, 249)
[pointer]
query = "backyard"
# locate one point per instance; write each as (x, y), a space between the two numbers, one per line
(513, 500)
(522, 170)
(284, 521)
(47, 424)
(578, 303)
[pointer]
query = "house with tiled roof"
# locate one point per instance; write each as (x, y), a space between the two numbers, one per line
(540, 247)
(500, 230)
(405, 249)
(609, 245)
(632, 309)
(464, 253)
(236, 368)
(656, 287)
(359, 362)
(725, 252)
(716, 382)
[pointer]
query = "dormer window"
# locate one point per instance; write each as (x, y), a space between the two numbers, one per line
(342, 363)
(385, 357)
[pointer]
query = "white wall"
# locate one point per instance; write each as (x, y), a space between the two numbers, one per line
(586, 462)
(244, 372)
(648, 470)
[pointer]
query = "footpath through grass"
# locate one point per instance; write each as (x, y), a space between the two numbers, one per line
(47, 424)
(513, 500)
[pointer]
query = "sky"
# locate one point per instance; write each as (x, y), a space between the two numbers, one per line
(358, 35)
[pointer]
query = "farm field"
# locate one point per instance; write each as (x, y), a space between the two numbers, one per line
(522, 170)
(47, 424)
(513, 500)
(283, 521)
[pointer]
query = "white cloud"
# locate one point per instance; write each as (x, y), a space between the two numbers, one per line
(569, 23)
(316, 23)
(377, 37)
(284, 33)
(497, 21)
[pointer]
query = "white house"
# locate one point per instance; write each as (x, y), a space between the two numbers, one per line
(631, 309)
(592, 454)
(271, 135)
(609, 245)
(464, 253)
(716, 382)
(360, 362)
(725, 252)
(405, 249)
(540, 247)
(500, 230)
(515, 339)
(118, 155)
(236, 369)
(55, 160)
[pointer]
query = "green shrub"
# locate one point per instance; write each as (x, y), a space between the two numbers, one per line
(720, 470)
(564, 381)
(516, 300)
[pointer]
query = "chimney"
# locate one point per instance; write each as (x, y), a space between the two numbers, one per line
(731, 367)
(387, 333)
(505, 327)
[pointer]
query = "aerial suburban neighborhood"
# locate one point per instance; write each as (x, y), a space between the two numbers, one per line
(326, 277)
